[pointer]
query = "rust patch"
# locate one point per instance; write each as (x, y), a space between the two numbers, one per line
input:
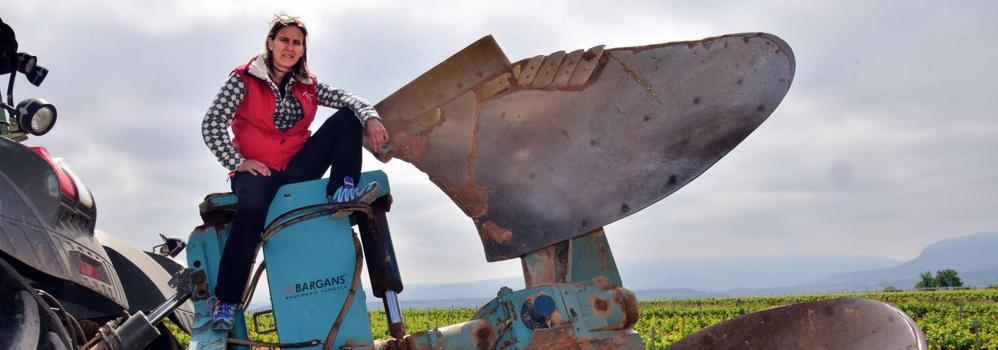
(614, 342)
(602, 282)
(528, 275)
(389, 344)
(425, 122)
(397, 329)
(600, 306)
(645, 83)
(409, 147)
(540, 267)
(603, 249)
(707, 42)
(420, 340)
(629, 304)
(482, 335)
(493, 87)
(561, 337)
(495, 233)
(851, 312)
(689, 43)
(470, 197)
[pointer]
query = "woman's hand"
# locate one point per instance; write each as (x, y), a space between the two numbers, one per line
(376, 134)
(254, 167)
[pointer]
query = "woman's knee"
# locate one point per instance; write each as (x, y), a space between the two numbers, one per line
(255, 204)
(344, 119)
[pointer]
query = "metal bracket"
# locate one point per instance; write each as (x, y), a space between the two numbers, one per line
(256, 324)
(184, 281)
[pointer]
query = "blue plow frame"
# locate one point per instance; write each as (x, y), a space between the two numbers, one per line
(310, 264)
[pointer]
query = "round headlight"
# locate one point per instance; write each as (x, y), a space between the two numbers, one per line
(36, 116)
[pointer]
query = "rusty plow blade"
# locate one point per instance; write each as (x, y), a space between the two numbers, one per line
(840, 324)
(551, 147)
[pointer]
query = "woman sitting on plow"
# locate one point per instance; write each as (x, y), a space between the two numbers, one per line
(270, 102)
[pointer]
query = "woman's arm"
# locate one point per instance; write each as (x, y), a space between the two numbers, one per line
(339, 98)
(215, 127)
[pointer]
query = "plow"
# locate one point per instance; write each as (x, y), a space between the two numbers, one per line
(541, 154)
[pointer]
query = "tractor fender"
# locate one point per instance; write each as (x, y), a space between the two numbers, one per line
(145, 281)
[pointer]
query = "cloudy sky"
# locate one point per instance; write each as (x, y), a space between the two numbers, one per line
(886, 142)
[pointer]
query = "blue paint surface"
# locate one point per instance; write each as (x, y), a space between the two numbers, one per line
(310, 267)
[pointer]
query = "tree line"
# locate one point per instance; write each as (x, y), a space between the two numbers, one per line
(946, 278)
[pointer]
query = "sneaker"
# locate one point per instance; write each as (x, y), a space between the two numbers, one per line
(224, 316)
(350, 194)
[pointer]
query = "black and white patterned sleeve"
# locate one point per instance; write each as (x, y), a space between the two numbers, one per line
(215, 128)
(338, 98)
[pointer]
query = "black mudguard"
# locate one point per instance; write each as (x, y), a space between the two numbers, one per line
(145, 279)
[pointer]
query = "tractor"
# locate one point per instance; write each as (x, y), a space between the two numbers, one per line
(62, 281)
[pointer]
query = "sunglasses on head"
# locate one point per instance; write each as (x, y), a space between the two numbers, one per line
(286, 19)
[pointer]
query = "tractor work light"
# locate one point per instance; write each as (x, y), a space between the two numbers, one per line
(26, 62)
(28, 65)
(35, 116)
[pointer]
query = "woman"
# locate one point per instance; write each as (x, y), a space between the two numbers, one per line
(270, 102)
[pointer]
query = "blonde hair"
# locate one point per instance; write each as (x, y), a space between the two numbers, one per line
(300, 71)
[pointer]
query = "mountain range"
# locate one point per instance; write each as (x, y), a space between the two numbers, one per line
(974, 256)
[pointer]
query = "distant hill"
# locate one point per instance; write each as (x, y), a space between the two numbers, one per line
(674, 277)
(460, 290)
(469, 303)
(974, 256)
(722, 273)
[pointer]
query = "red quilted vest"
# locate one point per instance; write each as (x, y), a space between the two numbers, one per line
(256, 137)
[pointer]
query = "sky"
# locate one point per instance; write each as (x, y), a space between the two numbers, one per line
(886, 142)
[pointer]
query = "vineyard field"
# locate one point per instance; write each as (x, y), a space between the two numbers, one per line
(951, 320)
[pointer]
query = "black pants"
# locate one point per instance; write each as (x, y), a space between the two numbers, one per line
(337, 144)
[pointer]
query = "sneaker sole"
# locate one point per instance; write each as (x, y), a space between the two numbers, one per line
(222, 326)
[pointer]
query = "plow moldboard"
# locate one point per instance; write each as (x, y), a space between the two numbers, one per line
(840, 324)
(549, 148)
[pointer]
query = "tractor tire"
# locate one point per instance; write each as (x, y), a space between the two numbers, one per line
(53, 334)
(27, 321)
(20, 326)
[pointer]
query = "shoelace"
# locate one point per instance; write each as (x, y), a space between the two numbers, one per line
(226, 308)
(344, 194)
(351, 193)
(218, 306)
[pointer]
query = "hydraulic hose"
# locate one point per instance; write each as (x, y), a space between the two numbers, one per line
(331, 337)
(74, 328)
